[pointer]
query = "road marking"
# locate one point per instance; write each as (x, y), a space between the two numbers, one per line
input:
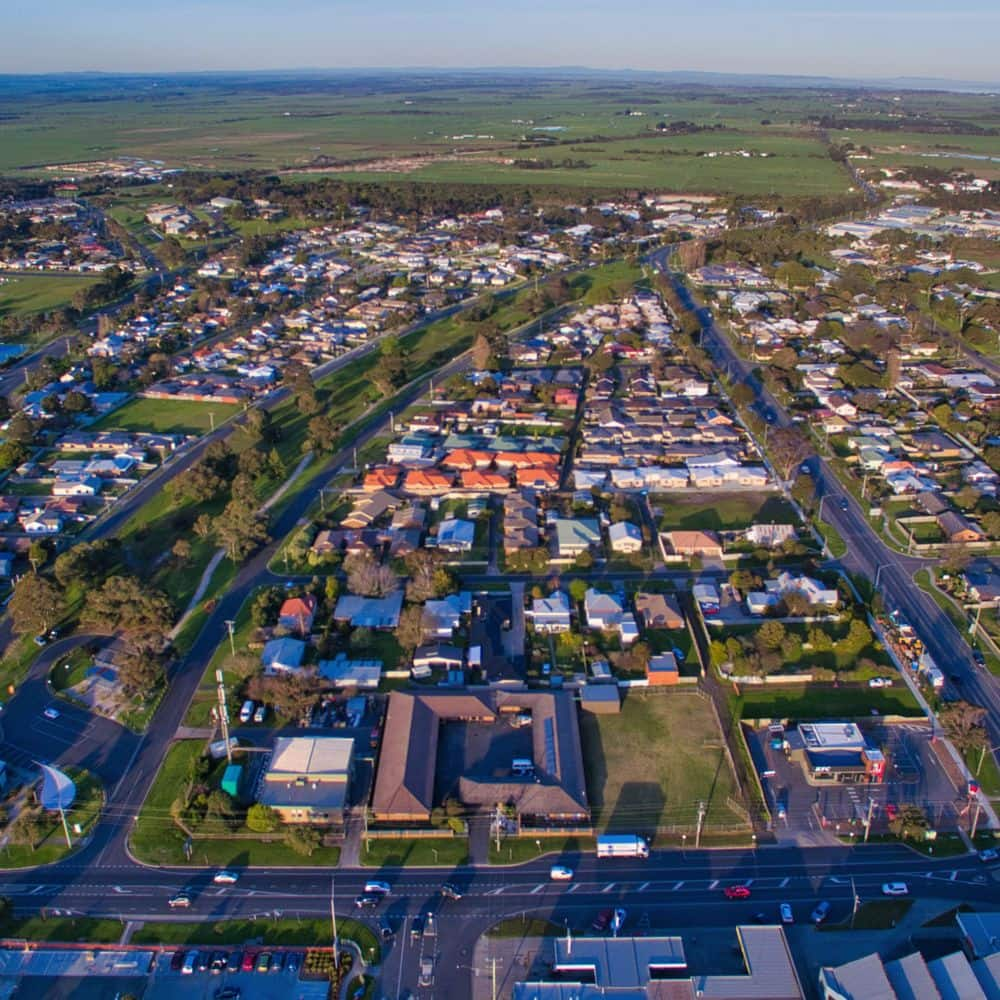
(677, 886)
(953, 876)
(714, 884)
(609, 887)
(499, 889)
(538, 889)
(643, 887)
(574, 887)
(784, 882)
(748, 882)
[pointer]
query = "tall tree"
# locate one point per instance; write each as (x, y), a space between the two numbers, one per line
(36, 605)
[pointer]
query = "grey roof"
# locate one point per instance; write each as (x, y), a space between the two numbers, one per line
(955, 978)
(620, 962)
(911, 979)
(372, 612)
(862, 979)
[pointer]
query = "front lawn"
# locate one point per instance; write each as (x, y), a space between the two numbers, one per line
(517, 850)
(415, 852)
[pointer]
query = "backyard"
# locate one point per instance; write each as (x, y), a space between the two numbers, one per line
(650, 766)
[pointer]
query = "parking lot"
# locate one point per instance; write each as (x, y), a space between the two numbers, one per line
(914, 775)
(169, 983)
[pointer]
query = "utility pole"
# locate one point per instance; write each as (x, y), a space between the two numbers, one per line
(333, 917)
(65, 826)
(231, 625)
(975, 819)
(868, 819)
(701, 820)
(211, 418)
(855, 903)
(223, 714)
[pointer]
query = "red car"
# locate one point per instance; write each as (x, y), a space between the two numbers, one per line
(249, 961)
(736, 892)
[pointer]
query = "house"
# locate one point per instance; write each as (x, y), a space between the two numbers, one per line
(43, 523)
(76, 486)
(603, 611)
(537, 478)
(658, 611)
(385, 477)
(456, 535)
(308, 778)
(364, 675)
(576, 535)
(369, 612)
(438, 655)
(552, 613)
(297, 613)
(520, 523)
(441, 618)
(625, 537)
(814, 591)
(367, 511)
(283, 656)
(427, 482)
(982, 579)
(957, 529)
(662, 670)
(695, 543)
(770, 536)
(474, 479)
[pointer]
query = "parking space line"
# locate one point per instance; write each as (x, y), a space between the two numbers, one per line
(609, 887)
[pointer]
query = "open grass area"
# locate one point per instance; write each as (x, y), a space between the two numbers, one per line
(31, 293)
(722, 511)
(283, 932)
(166, 416)
(823, 701)
(922, 578)
(417, 852)
(524, 926)
(65, 930)
(648, 767)
(834, 542)
(874, 915)
(517, 850)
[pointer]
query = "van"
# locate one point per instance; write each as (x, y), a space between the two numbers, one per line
(246, 712)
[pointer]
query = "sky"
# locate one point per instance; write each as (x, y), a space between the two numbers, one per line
(844, 38)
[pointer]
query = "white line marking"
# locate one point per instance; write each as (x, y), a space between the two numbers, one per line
(537, 889)
(643, 887)
(784, 882)
(713, 885)
(609, 887)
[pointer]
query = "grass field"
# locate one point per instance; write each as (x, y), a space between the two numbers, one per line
(166, 416)
(31, 293)
(416, 852)
(823, 701)
(517, 850)
(721, 511)
(648, 767)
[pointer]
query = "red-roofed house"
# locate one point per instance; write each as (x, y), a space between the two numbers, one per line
(297, 613)
(427, 481)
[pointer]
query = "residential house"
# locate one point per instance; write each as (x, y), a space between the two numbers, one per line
(576, 535)
(367, 511)
(520, 523)
(603, 611)
(658, 611)
(695, 543)
(364, 675)
(770, 536)
(456, 535)
(625, 537)
(438, 655)
(957, 529)
(308, 778)
(662, 670)
(428, 482)
(814, 591)
(552, 613)
(441, 618)
(298, 613)
(982, 578)
(283, 656)
(370, 612)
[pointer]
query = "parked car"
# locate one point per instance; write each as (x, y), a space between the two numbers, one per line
(234, 961)
(41, 640)
(204, 960)
(602, 921)
(218, 962)
(787, 917)
(261, 714)
(450, 891)
(263, 961)
(895, 889)
(225, 877)
(176, 961)
(891, 811)
(294, 962)
(51, 712)
(989, 855)
(821, 912)
(190, 963)
(560, 873)
(736, 892)
(618, 919)
(973, 787)
(181, 901)
(278, 964)
(249, 961)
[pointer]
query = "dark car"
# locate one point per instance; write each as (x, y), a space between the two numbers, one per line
(602, 921)
(386, 931)
(234, 961)
(821, 912)
(204, 960)
(279, 962)
(294, 961)
(368, 900)
(844, 505)
(450, 891)
(249, 961)
(176, 961)
(977, 655)
(228, 993)
(218, 962)
(417, 928)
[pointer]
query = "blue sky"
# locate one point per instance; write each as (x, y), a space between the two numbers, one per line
(837, 38)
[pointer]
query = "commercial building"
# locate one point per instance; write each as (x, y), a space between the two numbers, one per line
(836, 752)
(308, 779)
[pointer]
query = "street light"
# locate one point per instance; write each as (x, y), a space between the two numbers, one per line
(982, 756)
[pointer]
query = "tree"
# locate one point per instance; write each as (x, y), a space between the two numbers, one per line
(578, 590)
(303, 839)
(909, 823)
(77, 402)
(410, 632)
(36, 605)
(482, 353)
(12, 455)
(368, 577)
(181, 550)
(38, 553)
(804, 491)
(787, 448)
(742, 395)
(262, 819)
(321, 435)
(240, 530)
(770, 635)
(965, 724)
(389, 371)
(990, 523)
(141, 613)
(429, 579)
(955, 558)
(21, 429)
(220, 806)
(28, 828)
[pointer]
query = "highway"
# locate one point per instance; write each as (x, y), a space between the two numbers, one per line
(867, 554)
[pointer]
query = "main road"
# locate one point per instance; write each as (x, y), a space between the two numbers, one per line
(867, 555)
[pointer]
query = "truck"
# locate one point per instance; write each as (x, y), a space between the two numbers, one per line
(622, 845)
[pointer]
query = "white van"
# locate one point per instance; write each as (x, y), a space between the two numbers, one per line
(246, 712)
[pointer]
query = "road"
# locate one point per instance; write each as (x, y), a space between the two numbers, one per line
(867, 554)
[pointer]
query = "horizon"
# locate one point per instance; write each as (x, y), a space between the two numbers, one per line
(900, 39)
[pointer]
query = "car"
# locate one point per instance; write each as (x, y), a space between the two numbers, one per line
(228, 993)
(426, 971)
(278, 964)
(190, 963)
(294, 962)
(895, 889)
(978, 658)
(450, 891)
(988, 856)
(546, 669)
(736, 892)
(560, 873)
(51, 712)
(41, 640)
(204, 960)
(973, 787)
(417, 928)
(263, 962)
(374, 886)
(385, 930)
(821, 912)
(787, 917)
(891, 811)
(876, 682)
(234, 961)
(218, 962)
(602, 921)
(844, 505)
(618, 919)
(225, 877)
(367, 900)
(176, 961)
(261, 714)
(181, 901)
(54, 634)
(249, 961)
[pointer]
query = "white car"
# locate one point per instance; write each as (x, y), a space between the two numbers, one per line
(895, 889)
(51, 712)
(786, 914)
(560, 873)
(382, 887)
(225, 877)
